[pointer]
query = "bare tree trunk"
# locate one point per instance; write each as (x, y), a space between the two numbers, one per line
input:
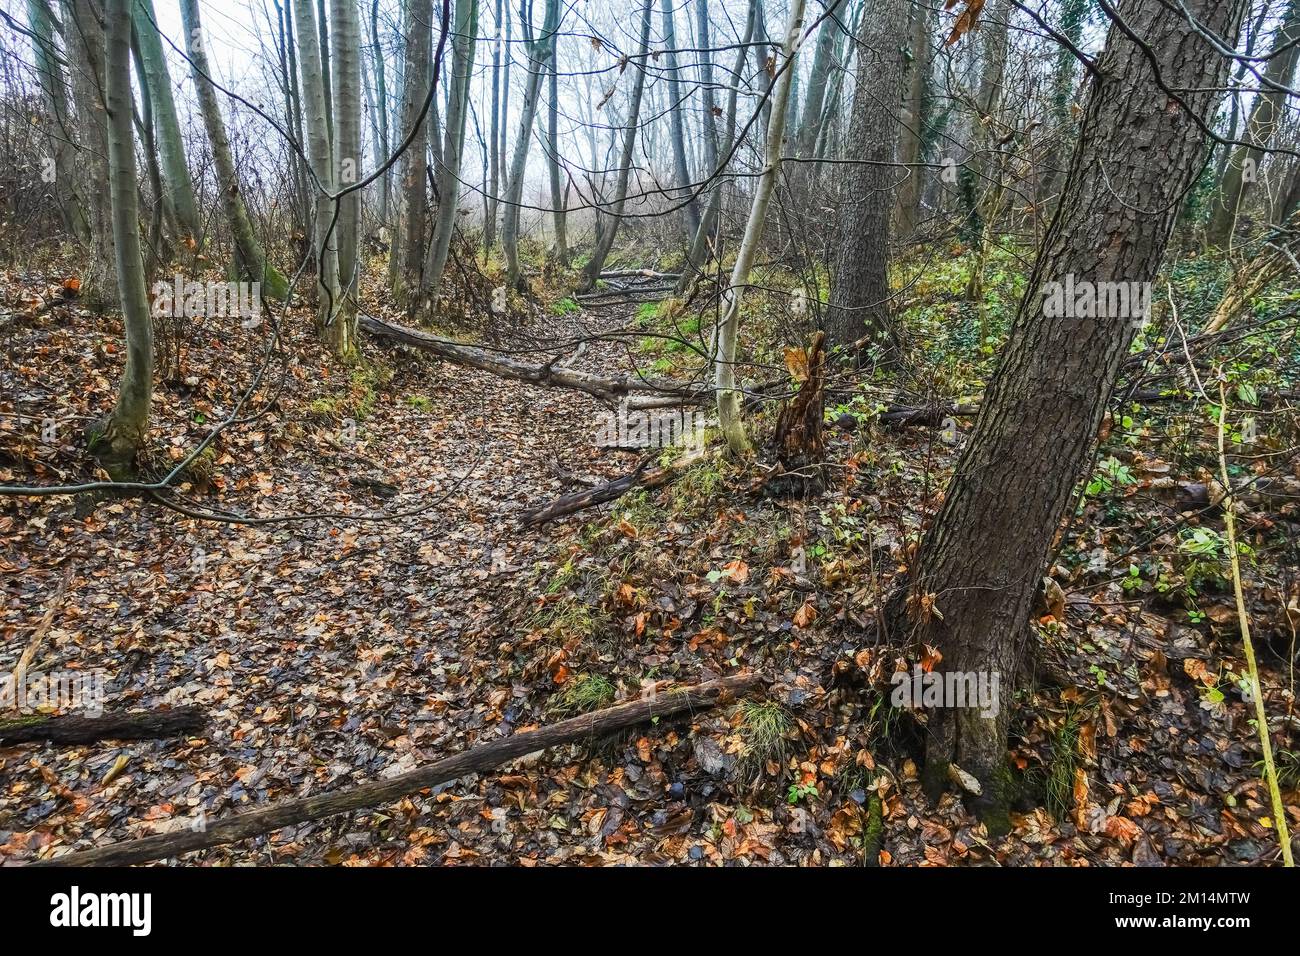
(1266, 113)
(700, 246)
(84, 42)
(345, 34)
(495, 144)
(977, 572)
(175, 170)
(823, 55)
(381, 108)
(415, 87)
(912, 142)
(681, 170)
(728, 331)
(66, 193)
(324, 238)
(561, 256)
(124, 432)
(462, 69)
(859, 302)
(539, 53)
(250, 260)
(607, 224)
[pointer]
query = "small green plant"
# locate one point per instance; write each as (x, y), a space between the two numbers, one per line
(801, 791)
(582, 694)
(421, 403)
(1110, 474)
(566, 306)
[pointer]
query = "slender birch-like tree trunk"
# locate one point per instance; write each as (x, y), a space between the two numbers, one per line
(553, 167)
(607, 224)
(171, 147)
(539, 53)
(465, 30)
(250, 259)
(728, 330)
(123, 433)
(345, 33)
(62, 159)
(677, 106)
(324, 239)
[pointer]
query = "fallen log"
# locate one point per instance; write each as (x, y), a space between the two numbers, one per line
(132, 725)
(476, 759)
(643, 476)
(553, 373)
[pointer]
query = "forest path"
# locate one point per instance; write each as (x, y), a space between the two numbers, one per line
(323, 652)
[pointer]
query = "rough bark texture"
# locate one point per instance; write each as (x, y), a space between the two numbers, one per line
(136, 725)
(1138, 153)
(859, 303)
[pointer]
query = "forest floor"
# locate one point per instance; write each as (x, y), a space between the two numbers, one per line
(331, 651)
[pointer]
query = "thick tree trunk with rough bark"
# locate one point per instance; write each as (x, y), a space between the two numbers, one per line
(859, 302)
(975, 578)
(124, 431)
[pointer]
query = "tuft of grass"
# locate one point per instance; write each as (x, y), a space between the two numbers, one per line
(582, 694)
(421, 403)
(566, 306)
(764, 725)
(1061, 765)
(568, 617)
